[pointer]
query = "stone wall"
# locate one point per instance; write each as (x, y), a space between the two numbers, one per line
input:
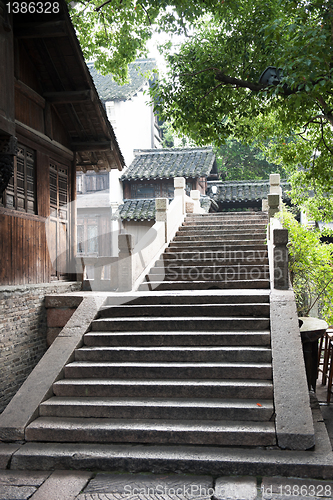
(23, 332)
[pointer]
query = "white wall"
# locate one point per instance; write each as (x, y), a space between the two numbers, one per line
(137, 228)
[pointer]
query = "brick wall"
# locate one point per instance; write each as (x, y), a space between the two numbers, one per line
(23, 332)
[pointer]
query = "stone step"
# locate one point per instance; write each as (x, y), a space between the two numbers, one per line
(175, 354)
(176, 338)
(158, 408)
(200, 323)
(163, 310)
(227, 225)
(208, 432)
(219, 236)
(225, 245)
(189, 459)
(203, 285)
(169, 370)
(201, 273)
(218, 256)
(170, 266)
(228, 215)
(194, 388)
(187, 297)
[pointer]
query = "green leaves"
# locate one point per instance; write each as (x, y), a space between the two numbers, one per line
(310, 265)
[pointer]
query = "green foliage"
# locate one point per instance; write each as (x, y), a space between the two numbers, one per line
(168, 136)
(212, 89)
(311, 267)
(237, 161)
(114, 33)
(212, 92)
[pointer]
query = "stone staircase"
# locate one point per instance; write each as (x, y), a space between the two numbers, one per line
(214, 250)
(183, 364)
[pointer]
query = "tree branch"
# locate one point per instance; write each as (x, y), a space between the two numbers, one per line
(97, 9)
(221, 77)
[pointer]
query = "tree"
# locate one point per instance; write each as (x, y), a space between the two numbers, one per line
(213, 88)
(237, 161)
(115, 32)
(310, 266)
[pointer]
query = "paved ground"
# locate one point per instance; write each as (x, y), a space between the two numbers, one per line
(82, 485)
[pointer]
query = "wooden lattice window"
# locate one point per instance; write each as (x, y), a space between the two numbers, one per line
(59, 218)
(21, 191)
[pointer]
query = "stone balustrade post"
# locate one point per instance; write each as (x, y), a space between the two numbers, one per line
(280, 259)
(125, 262)
(161, 205)
(274, 184)
(273, 205)
(179, 185)
(195, 196)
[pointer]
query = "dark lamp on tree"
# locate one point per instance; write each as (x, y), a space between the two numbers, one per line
(271, 76)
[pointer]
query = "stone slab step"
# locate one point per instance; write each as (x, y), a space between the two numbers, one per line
(174, 260)
(234, 268)
(180, 370)
(223, 433)
(227, 215)
(174, 354)
(220, 255)
(158, 408)
(223, 226)
(200, 297)
(220, 236)
(203, 285)
(176, 338)
(250, 309)
(224, 244)
(195, 388)
(164, 459)
(196, 273)
(184, 323)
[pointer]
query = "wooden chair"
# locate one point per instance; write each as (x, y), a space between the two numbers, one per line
(325, 361)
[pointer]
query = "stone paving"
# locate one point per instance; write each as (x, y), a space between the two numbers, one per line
(82, 485)
(85, 485)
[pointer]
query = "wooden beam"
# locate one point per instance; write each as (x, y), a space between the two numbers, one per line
(40, 30)
(92, 146)
(69, 97)
(30, 93)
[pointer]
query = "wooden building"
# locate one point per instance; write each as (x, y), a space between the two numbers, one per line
(52, 123)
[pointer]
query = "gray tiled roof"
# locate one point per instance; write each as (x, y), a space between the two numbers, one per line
(137, 209)
(169, 163)
(145, 209)
(244, 190)
(109, 90)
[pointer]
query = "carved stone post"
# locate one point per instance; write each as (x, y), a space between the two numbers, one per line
(125, 262)
(8, 149)
(179, 185)
(195, 196)
(280, 257)
(161, 205)
(273, 205)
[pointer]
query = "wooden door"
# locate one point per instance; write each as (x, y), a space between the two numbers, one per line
(59, 219)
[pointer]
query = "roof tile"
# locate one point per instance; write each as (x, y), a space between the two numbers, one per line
(109, 90)
(169, 163)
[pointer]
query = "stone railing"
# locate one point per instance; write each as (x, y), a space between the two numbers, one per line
(134, 261)
(294, 428)
(277, 237)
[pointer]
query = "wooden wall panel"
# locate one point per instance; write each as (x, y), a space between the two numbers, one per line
(24, 254)
(28, 112)
(59, 133)
(43, 186)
